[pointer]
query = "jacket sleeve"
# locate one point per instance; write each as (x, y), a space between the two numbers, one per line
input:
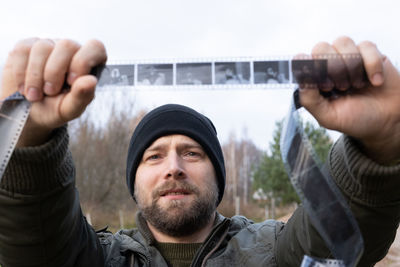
(41, 223)
(372, 194)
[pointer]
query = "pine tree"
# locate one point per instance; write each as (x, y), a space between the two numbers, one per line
(271, 176)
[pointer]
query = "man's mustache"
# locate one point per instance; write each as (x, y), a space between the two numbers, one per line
(181, 186)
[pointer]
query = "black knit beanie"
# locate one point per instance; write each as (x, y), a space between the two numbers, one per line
(175, 119)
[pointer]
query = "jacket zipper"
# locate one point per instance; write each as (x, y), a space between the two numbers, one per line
(198, 261)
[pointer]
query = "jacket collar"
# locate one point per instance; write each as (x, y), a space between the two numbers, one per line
(143, 228)
(210, 245)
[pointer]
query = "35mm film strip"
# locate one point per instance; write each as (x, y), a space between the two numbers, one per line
(14, 112)
(321, 198)
(226, 73)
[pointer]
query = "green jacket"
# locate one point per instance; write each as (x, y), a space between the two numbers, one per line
(41, 223)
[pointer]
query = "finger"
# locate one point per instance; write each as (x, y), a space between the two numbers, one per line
(77, 99)
(302, 72)
(8, 85)
(319, 107)
(57, 66)
(335, 66)
(92, 54)
(34, 74)
(19, 61)
(7, 81)
(354, 65)
(13, 73)
(373, 62)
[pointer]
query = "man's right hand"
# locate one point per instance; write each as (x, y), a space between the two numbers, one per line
(38, 68)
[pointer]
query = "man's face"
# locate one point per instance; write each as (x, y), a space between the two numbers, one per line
(270, 71)
(228, 72)
(175, 186)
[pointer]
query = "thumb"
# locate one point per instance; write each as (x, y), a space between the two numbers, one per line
(317, 105)
(81, 94)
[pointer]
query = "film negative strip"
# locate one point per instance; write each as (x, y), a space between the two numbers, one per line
(231, 73)
(327, 73)
(322, 200)
(316, 262)
(14, 112)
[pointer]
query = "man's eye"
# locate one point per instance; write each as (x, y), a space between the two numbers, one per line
(192, 154)
(153, 157)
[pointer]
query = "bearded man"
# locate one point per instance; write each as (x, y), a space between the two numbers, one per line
(176, 173)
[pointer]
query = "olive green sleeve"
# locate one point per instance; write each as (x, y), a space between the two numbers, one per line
(41, 223)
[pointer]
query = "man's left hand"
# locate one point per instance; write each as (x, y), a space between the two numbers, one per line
(369, 113)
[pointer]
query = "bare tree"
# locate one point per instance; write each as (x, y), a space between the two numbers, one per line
(241, 158)
(99, 154)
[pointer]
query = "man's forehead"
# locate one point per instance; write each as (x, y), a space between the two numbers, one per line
(174, 139)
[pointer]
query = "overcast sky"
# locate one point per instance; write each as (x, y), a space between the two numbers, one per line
(181, 29)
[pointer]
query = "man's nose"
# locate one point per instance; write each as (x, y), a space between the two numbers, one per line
(175, 167)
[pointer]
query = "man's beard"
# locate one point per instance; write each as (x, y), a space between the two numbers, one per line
(179, 219)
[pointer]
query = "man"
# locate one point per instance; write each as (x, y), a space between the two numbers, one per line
(175, 172)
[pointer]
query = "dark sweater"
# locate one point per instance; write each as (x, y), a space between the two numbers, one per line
(177, 254)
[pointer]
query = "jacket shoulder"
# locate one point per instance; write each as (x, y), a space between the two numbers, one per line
(248, 232)
(267, 227)
(120, 248)
(250, 244)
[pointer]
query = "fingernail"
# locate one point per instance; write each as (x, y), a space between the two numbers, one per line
(33, 94)
(48, 88)
(71, 77)
(377, 79)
